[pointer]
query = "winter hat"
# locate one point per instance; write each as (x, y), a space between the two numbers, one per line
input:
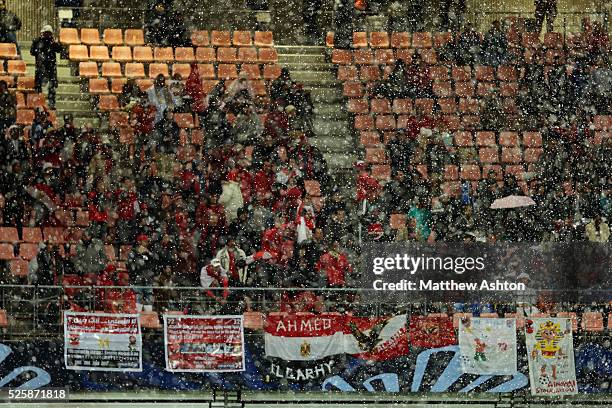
(215, 262)
(232, 175)
(376, 228)
(142, 238)
(47, 29)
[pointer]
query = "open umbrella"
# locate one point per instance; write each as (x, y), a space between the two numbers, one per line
(512, 201)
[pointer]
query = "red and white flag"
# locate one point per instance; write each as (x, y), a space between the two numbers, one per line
(379, 339)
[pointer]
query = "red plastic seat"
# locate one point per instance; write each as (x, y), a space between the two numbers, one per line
(220, 38)
(242, 39)
(448, 106)
(113, 36)
(506, 73)
(360, 39)
(402, 106)
(358, 106)
(134, 37)
(122, 53)
(451, 173)
(54, 234)
(488, 155)
(400, 40)
(532, 139)
(375, 155)
(364, 122)
(115, 120)
(8, 234)
(271, 71)
(468, 106)
(352, 89)
(462, 74)
(19, 267)
(348, 73)
(470, 172)
(384, 56)
(443, 89)
(380, 106)
(385, 122)
(90, 36)
(532, 155)
(69, 36)
(28, 251)
(485, 139)
(199, 38)
(464, 89)
(24, 83)
(463, 139)
(485, 73)
(530, 40)
(7, 251)
(111, 69)
(511, 155)
(184, 120)
(264, 39)
(379, 40)
(508, 139)
(88, 69)
(363, 57)
(370, 73)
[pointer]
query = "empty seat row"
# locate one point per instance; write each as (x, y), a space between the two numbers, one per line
(354, 89)
(403, 106)
(437, 73)
(30, 100)
(168, 54)
(8, 51)
(206, 71)
(15, 67)
(22, 83)
(135, 37)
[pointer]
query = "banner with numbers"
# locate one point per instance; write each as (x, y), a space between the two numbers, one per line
(550, 352)
(102, 342)
(204, 343)
(488, 346)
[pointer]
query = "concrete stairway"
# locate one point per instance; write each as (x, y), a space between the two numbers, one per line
(308, 65)
(69, 98)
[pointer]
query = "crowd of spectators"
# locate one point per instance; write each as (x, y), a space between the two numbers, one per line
(217, 217)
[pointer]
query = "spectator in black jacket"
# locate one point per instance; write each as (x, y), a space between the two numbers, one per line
(44, 49)
(9, 25)
(8, 108)
(141, 268)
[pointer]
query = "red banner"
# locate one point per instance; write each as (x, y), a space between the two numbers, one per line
(432, 332)
(204, 343)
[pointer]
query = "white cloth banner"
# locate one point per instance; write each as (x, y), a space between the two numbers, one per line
(102, 342)
(488, 346)
(550, 351)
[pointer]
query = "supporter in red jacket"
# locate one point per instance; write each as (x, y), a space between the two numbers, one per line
(335, 266)
(368, 188)
(214, 276)
(127, 206)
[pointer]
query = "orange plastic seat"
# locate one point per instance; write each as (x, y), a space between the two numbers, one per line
(144, 84)
(199, 38)
(122, 53)
(252, 70)
(511, 155)
(117, 85)
(360, 39)
(348, 73)
(385, 122)
(54, 234)
(205, 54)
(530, 40)
(485, 139)
(163, 54)
(99, 53)
(442, 38)
(470, 172)
(7, 252)
(28, 251)
(508, 89)
(227, 71)
(134, 37)
(21, 103)
(438, 73)
(352, 90)
(134, 70)
(184, 120)
(69, 36)
(112, 36)
(506, 73)
(369, 73)
(368, 138)
(16, 67)
(364, 122)
(32, 234)
(532, 139)
(126, 135)
(271, 71)
(485, 73)
(8, 234)
(75, 53)
(363, 57)
(242, 38)
(184, 54)
(442, 89)
(227, 55)
(379, 40)
(451, 173)
(592, 321)
(342, 57)
(468, 106)
(19, 267)
(329, 39)
(400, 40)
(208, 85)
(24, 83)
(380, 106)
(117, 120)
(602, 122)
(488, 155)
(508, 139)
(532, 155)
(36, 100)
(156, 69)
(375, 155)
(268, 56)
(461, 74)
(402, 106)
(464, 89)
(111, 69)
(421, 40)
(98, 86)
(381, 172)
(485, 88)
(247, 54)
(90, 36)
(220, 38)
(264, 39)
(143, 54)
(206, 71)
(358, 106)
(181, 69)
(108, 102)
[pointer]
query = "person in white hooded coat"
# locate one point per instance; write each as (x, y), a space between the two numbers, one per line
(231, 196)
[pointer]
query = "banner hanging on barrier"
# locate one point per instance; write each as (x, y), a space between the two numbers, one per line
(102, 342)
(204, 343)
(488, 346)
(550, 352)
